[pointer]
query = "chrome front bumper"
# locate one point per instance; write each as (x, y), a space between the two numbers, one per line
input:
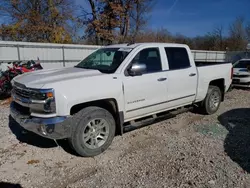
(241, 85)
(53, 128)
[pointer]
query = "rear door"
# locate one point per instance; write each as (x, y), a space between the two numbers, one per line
(181, 76)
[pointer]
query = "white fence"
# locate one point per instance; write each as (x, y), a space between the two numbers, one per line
(50, 55)
(209, 56)
(65, 55)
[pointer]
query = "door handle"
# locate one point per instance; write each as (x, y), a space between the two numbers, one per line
(192, 74)
(161, 79)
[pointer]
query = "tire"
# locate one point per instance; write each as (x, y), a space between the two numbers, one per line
(86, 124)
(206, 106)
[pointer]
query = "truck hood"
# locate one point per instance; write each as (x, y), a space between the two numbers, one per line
(38, 79)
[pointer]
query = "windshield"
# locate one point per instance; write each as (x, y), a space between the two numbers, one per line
(242, 64)
(106, 60)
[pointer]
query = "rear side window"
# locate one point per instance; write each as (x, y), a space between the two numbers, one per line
(177, 58)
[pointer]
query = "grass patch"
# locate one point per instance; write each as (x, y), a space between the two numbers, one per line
(214, 130)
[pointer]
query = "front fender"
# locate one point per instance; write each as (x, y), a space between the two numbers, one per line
(69, 94)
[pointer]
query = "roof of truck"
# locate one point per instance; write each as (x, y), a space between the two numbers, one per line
(134, 45)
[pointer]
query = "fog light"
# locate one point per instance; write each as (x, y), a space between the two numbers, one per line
(43, 129)
(47, 107)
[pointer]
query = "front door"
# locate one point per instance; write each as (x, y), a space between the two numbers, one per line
(145, 94)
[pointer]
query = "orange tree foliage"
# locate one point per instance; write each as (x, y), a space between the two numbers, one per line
(37, 20)
(114, 20)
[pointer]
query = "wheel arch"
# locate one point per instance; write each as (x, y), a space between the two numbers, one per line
(110, 105)
(220, 83)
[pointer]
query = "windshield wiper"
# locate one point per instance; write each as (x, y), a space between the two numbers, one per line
(84, 67)
(94, 68)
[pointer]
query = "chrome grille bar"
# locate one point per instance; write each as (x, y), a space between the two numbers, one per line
(22, 92)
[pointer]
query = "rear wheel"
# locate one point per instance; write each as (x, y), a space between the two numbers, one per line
(93, 130)
(212, 101)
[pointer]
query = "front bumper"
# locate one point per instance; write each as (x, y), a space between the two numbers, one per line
(52, 128)
(240, 83)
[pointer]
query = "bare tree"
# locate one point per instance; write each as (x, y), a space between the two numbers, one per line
(139, 15)
(125, 19)
(248, 32)
(219, 39)
(237, 35)
(215, 39)
(90, 19)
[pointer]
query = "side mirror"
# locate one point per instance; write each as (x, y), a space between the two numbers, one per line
(137, 69)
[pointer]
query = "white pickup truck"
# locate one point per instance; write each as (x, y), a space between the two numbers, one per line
(90, 103)
(241, 73)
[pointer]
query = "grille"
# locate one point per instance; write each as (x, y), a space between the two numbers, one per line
(22, 92)
(28, 93)
(236, 81)
(241, 76)
(244, 83)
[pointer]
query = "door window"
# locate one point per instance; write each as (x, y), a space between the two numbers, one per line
(177, 58)
(151, 58)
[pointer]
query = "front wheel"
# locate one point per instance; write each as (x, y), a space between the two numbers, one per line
(211, 103)
(93, 130)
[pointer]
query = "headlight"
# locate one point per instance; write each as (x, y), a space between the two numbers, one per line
(42, 94)
(43, 101)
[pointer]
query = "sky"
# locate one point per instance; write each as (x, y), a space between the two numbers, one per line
(194, 17)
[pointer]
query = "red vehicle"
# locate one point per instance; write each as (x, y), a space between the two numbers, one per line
(28, 66)
(19, 67)
(5, 80)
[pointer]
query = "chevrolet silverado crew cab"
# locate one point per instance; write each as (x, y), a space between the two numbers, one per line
(90, 103)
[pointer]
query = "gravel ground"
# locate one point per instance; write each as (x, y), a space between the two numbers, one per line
(190, 150)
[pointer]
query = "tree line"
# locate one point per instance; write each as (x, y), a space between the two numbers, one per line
(105, 22)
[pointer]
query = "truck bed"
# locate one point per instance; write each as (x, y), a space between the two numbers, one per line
(212, 71)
